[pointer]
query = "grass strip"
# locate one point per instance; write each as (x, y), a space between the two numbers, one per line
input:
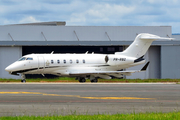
(139, 116)
(68, 79)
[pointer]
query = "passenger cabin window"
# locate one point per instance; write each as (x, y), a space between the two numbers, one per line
(70, 61)
(64, 61)
(29, 59)
(77, 61)
(21, 59)
(58, 61)
(52, 61)
(83, 61)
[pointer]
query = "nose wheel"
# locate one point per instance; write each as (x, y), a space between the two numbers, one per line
(23, 78)
(23, 81)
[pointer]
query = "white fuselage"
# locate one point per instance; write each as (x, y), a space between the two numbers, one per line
(63, 64)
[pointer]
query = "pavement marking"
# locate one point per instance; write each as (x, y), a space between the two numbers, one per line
(115, 98)
(37, 93)
(20, 93)
(77, 96)
(77, 83)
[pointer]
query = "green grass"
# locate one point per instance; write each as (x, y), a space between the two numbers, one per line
(67, 79)
(139, 116)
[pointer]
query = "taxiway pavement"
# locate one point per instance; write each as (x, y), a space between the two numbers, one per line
(64, 99)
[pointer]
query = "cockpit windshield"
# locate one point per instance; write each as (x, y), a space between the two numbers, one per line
(21, 59)
(29, 58)
(24, 58)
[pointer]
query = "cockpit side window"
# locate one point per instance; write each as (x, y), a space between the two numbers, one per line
(29, 59)
(21, 59)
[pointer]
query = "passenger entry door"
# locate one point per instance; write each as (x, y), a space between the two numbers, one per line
(40, 64)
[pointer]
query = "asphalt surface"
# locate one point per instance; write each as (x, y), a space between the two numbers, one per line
(65, 99)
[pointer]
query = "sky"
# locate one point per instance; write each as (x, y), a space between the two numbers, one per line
(93, 12)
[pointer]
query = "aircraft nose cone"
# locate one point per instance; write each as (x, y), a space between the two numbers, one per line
(13, 67)
(8, 69)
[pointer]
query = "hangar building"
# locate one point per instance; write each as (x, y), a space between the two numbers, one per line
(21, 39)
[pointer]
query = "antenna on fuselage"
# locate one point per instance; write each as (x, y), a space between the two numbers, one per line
(86, 52)
(52, 52)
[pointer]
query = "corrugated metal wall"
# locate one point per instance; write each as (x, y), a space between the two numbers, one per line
(170, 62)
(155, 64)
(8, 55)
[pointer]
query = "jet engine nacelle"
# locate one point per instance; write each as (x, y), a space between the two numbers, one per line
(119, 60)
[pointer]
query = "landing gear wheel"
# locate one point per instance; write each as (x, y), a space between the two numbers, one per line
(23, 78)
(94, 80)
(23, 81)
(82, 80)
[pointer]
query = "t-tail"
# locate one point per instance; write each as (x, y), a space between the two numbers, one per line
(140, 45)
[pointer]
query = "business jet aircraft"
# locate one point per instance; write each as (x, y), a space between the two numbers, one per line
(83, 66)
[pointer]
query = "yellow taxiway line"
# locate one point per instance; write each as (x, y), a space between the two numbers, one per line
(57, 95)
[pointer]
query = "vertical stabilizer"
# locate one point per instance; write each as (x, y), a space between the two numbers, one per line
(140, 45)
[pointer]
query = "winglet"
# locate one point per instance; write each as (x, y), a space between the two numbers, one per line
(145, 67)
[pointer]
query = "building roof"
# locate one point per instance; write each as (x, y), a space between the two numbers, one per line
(53, 23)
(56, 33)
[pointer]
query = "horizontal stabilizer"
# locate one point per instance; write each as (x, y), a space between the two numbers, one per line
(145, 67)
(154, 37)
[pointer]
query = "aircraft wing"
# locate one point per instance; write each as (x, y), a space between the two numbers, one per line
(100, 73)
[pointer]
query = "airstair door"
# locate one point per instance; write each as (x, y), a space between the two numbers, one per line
(41, 64)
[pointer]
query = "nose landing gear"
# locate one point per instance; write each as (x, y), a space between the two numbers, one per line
(23, 78)
(23, 81)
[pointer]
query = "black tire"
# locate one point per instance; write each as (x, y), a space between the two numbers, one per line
(23, 81)
(94, 81)
(82, 80)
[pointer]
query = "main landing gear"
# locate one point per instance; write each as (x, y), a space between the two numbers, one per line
(82, 79)
(94, 80)
(23, 78)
